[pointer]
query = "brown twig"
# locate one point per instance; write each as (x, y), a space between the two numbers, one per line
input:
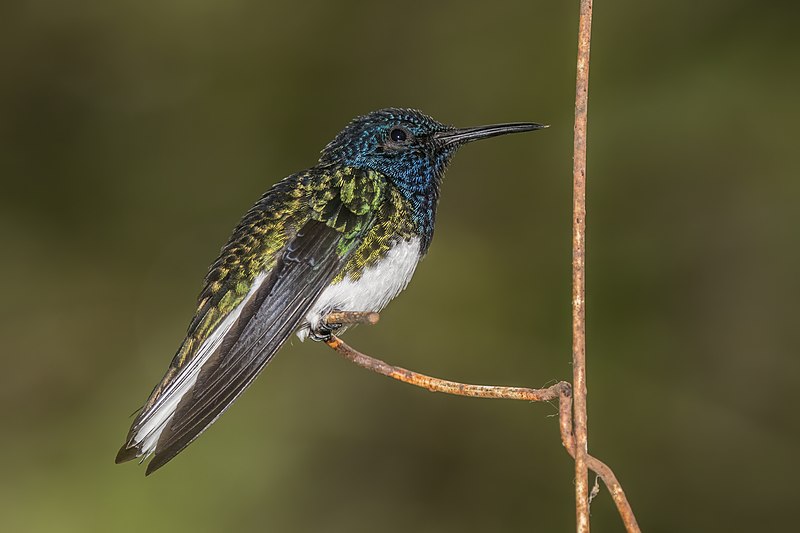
(580, 421)
(561, 390)
(352, 318)
(442, 385)
(617, 494)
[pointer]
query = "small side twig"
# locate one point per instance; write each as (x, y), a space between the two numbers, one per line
(352, 318)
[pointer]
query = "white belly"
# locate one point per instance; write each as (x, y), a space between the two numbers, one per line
(375, 288)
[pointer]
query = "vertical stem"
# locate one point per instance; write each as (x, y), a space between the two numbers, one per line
(579, 270)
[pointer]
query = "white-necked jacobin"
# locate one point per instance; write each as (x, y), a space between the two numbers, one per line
(344, 235)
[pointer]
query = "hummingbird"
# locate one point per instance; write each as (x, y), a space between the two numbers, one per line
(343, 235)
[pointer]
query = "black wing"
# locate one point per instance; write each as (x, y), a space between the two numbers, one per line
(311, 260)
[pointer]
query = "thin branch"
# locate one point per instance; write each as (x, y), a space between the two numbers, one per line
(578, 269)
(617, 494)
(443, 385)
(561, 390)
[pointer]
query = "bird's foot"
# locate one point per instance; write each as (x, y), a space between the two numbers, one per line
(322, 331)
(336, 320)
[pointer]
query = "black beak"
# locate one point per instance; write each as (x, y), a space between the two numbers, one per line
(465, 135)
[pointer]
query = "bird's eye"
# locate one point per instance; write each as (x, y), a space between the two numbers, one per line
(399, 135)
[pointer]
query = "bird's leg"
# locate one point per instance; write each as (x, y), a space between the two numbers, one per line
(322, 331)
(336, 320)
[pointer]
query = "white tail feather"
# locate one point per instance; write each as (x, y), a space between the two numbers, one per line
(158, 416)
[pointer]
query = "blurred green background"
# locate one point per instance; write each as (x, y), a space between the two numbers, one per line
(134, 135)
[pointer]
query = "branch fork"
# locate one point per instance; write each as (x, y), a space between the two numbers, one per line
(561, 391)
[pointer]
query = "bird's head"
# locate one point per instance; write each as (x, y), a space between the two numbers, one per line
(407, 146)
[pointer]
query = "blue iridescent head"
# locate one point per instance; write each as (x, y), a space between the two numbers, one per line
(412, 150)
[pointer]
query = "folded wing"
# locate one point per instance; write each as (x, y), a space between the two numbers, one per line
(196, 390)
(280, 304)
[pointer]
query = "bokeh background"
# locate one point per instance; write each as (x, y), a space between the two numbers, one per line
(134, 135)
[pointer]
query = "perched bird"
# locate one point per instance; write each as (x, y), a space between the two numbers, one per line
(344, 235)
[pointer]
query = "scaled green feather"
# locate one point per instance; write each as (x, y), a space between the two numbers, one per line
(357, 203)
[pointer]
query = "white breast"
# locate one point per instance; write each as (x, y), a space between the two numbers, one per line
(375, 288)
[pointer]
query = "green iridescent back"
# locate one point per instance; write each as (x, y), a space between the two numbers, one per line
(359, 204)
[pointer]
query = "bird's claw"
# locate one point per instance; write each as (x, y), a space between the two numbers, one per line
(323, 331)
